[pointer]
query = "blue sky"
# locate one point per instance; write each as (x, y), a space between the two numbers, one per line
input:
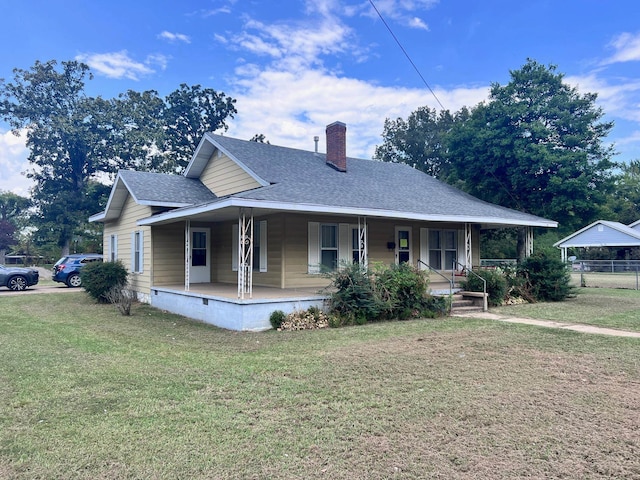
(296, 66)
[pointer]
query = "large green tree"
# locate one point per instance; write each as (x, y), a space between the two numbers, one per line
(624, 204)
(537, 145)
(419, 141)
(14, 212)
(76, 141)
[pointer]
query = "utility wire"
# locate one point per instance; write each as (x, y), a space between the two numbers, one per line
(405, 53)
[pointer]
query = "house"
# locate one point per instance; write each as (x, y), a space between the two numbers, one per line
(602, 233)
(249, 227)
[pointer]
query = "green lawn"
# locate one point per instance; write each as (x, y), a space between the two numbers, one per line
(604, 307)
(86, 393)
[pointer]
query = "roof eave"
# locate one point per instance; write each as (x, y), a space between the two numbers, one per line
(324, 209)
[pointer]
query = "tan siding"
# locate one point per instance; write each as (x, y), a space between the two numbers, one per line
(168, 254)
(224, 177)
(221, 250)
(123, 228)
(380, 232)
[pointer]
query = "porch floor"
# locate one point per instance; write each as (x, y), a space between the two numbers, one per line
(229, 291)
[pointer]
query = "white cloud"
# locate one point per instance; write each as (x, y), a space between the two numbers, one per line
(416, 22)
(290, 107)
(13, 164)
(621, 99)
(115, 65)
(174, 37)
(400, 11)
(627, 48)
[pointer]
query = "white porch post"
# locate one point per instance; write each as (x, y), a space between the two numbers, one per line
(187, 253)
(528, 243)
(363, 247)
(468, 246)
(245, 253)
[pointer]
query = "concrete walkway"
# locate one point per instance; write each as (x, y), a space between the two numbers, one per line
(552, 324)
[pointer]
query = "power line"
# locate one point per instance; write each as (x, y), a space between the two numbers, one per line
(405, 53)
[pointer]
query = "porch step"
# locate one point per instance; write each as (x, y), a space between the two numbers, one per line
(463, 302)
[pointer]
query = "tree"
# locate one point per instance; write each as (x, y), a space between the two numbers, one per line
(7, 231)
(420, 141)
(537, 146)
(13, 215)
(259, 138)
(624, 205)
(189, 113)
(75, 141)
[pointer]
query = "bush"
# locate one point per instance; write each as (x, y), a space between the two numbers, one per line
(354, 295)
(122, 298)
(276, 318)
(406, 287)
(98, 278)
(496, 285)
(359, 296)
(544, 279)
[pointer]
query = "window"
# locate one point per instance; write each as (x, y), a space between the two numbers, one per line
(199, 249)
(328, 247)
(137, 251)
(355, 245)
(443, 249)
(113, 248)
(435, 249)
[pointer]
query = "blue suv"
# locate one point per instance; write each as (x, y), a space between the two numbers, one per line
(67, 269)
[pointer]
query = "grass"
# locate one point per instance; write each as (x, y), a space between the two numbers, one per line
(86, 393)
(606, 280)
(603, 307)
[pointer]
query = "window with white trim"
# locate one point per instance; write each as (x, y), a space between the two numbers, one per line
(137, 251)
(443, 249)
(328, 247)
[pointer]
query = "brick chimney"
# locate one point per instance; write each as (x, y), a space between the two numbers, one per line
(337, 146)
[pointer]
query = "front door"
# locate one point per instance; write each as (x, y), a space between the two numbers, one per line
(403, 245)
(200, 268)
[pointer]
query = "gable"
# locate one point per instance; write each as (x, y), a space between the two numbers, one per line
(224, 177)
(602, 234)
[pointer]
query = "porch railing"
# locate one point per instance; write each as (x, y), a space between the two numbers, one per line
(468, 271)
(450, 281)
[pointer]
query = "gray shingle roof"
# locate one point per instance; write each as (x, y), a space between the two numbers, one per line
(164, 189)
(302, 177)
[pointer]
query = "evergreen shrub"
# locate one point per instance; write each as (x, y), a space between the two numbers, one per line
(544, 279)
(496, 285)
(98, 278)
(359, 296)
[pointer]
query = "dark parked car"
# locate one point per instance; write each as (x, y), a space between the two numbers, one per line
(67, 269)
(17, 278)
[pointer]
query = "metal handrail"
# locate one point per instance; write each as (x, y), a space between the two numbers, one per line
(469, 270)
(449, 280)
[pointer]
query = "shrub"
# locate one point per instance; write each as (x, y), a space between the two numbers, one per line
(496, 285)
(122, 298)
(545, 279)
(354, 294)
(406, 287)
(98, 278)
(276, 318)
(359, 296)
